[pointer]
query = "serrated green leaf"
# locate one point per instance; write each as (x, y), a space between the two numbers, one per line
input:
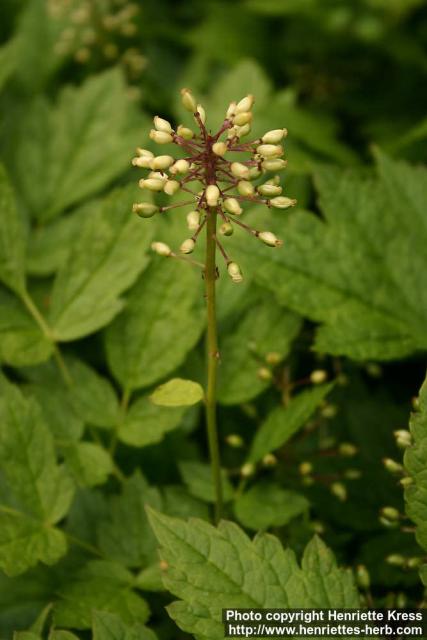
(177, 393)
(126, 536)
(73, 150)
(7, 61)
(146, 424)
(12, 238)
(213, 568)
(198, 479)
(283, 422)
(178, 502)
(89, 463)
(262, 328)
(38, 491)
(107, 259)
(107, 626)
(268, 505)
(415, 460)
(100, 586)
(162, 321)
(22, 343)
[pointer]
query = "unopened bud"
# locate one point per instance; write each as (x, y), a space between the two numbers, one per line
(243, 131)
(193, 220)
(318, 376)
(185, 132)
(144, 152)
(202, 113)
(161, 162)
(245, 188)
(232, 206)
(352, 474)
(273, 358)
(268, 238)
(347, 449)
(269, 190)
(392, 466)
(329, 411)
(234, 272)
(282, 202)
(161, 137)
(274, 136)
(396, 560)
(243, 118)
(414, 563)
(188, 100)
(264, 373)
(401, 600)
(219, 148)
(144, 162)
(406, 482)
(180, 166)
(269, 460)
(305, 468)
(245, 104)
(239, 170)
(187, 246)
(160, 124)
(171, 187)
(270, 150)
(403, 438)
(247, 470)
(161, 248)
(362, 576)
(390, 513)
(234, 440)
(231, 110)
(212, 195)
(152, 184)
(254, 173)
(145, 209)
(276, 164)
(226, 229)
(338, 489)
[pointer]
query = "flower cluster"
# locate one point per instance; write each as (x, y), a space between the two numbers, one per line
(227, 184)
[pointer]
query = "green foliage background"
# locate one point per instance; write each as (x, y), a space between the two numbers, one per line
(91, 323)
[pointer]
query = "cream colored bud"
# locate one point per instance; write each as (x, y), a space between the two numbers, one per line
(270, 150)
(234, 272)
(239, 170)
(305, 468)
(144, 162)
(264, 373)
(273, 358)
(144, 152)
(152, 184)
(161, 162)
(159, 175)
(274, 136)
(269, 239)
(254, 173)
(185, 132)
(403, 438)
(202, 113)
(161, 137)
(275, 181)
(247, 470)
(269, 460)
(241, 119)
(232, 206)
(171, 187)
(187, 246)
(245, 104)
(339, 490)
(160, 124)
(188, 100)
(226, 229)
(232, 132)
(193, 220)
(241, 132)
(231, 110)
(269, 190)
(161, 248)
(276, 164)
(318, 376)
(245, 188)
(234, 440)
(219, 148)
(180, 166)
(282, 202)
(212, 195)
(145, 209)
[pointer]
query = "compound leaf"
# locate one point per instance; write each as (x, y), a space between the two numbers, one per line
(12, 238)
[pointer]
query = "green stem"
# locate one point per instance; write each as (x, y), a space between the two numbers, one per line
(212, 356)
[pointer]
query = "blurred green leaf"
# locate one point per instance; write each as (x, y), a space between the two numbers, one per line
(268, 505)
(107, 259)
(88, 463)
(12, 238)
(177, 393)
(146, 424)
(198, 479)
(107, 626)
(162, 321)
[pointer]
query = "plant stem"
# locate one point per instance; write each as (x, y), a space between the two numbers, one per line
(212, 359)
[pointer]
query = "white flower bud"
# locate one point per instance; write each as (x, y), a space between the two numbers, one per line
(160, 124)
(318, 376)
(245, 104)
(180, 166)
(231, 110)
(161, 248)
(212, 195)
(188, 100)
(241, 132)
(269, 190)
(161, 162)
(403, 438)
(242, 118)
(232, 206)
(245, 188)
(171, 187)
(159, 175)
(187, 246)
(144, 152)
(185, 132)
(268, 238)
(270, 150)
(276, 164)
(202, 113)
(254, 173)
(282, 202)
(232, 132)
(234, 272)
(143, 162)
(219, 148)
(161, 137)
(239, 170)
(226, 229)
(145, 209)
(152, 184)
(274, 136)
(193, 220)
(247, 470)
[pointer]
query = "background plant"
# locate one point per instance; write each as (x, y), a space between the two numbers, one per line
(323, 343)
